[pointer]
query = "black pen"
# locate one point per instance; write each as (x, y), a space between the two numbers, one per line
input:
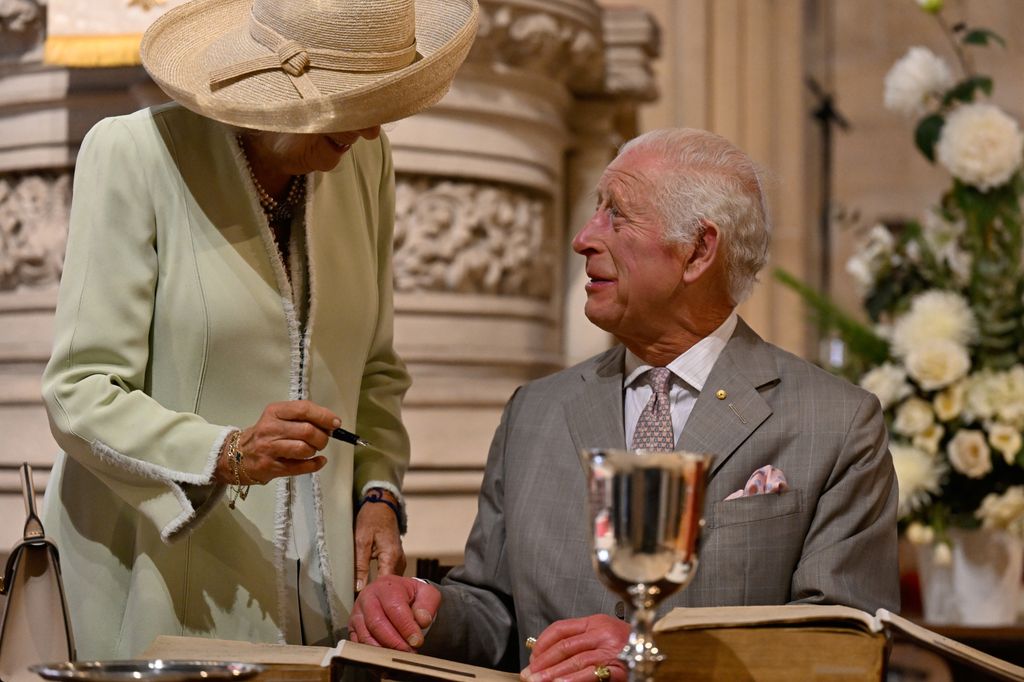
(348, 437)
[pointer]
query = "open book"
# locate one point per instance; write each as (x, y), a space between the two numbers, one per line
(311, 659)
(838, 635)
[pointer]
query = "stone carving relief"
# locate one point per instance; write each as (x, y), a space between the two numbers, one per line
(34, 211)
(22, 26)
(468, 237)
(19, 16)
(556, 44)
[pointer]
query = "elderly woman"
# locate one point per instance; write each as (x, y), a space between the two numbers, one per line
(225, 305)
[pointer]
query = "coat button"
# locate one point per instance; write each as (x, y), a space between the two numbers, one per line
(620, 610)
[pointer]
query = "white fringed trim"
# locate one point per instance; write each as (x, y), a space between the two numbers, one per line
(338, 624)
(189, 519)
(282, 513)
(282, 525)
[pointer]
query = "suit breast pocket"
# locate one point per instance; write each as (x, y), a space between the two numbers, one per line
(756, 508)
(750, 548)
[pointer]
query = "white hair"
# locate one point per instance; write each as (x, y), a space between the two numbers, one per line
(707, 178)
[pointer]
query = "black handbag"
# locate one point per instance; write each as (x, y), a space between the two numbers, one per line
(36, 627)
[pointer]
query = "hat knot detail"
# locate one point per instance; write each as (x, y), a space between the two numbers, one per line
(294, 58)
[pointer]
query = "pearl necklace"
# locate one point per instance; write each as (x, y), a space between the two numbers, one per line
(275, 211)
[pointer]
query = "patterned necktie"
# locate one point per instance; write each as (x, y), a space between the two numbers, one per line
(654, 428)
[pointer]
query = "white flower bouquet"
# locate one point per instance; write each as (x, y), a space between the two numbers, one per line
(945, 355)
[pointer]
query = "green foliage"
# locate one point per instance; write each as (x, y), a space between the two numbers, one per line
(982, 36)
(864, 343)
(926, 136)
(965, 90)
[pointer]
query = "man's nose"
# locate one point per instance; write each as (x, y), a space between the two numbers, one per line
(584, 239)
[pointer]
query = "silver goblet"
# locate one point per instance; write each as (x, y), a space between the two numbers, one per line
(646, 510)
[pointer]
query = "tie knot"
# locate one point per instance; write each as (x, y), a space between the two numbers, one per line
(659, 376)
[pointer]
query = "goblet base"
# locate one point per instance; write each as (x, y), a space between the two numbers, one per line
(640, 654)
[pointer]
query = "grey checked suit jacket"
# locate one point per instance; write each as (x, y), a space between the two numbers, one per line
(830, 538)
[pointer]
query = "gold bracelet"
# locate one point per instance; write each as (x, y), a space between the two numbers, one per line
(235, 459)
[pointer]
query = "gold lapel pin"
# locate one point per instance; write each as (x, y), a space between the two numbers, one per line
(721, 394)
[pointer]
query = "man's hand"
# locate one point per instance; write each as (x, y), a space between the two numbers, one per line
(377, 537)
(572, 649)
(392, 612)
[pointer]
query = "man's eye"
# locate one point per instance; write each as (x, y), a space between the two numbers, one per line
(613, 212)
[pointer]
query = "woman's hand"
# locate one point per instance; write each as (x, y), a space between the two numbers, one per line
(284, 442)
(377, 537)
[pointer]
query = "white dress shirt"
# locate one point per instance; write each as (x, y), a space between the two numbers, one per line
(689, 372)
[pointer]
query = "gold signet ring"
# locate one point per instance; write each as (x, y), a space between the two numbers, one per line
(602, 672)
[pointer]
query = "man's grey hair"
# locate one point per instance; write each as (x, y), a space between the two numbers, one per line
(706, 177)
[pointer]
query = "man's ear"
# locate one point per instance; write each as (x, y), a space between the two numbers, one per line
(704, 251)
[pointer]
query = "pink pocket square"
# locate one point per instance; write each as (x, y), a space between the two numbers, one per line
(767, 479)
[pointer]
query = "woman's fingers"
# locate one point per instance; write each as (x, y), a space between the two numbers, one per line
(286, 439)
(266, 469)
(305, 411)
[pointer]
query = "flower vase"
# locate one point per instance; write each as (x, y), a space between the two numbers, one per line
(979, 586)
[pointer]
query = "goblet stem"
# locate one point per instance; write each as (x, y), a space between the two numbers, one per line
(640, 654)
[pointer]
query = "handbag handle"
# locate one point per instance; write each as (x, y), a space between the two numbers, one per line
(33, 525)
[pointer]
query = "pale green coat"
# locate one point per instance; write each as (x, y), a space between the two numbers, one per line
(175, 323)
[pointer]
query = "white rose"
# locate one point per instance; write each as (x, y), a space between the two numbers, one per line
(982, 395)
(888, 382)
(943, 555)
(913, 417)
(872, 254)
(969, 453)
(949, 403)
(1006, 439)
(1010, 407)
(862, 270)
(920, 534)
(938, 363)
(934, 315)
(996, 396)
(938, 232)
(918, 477)
(915, 79)
(1004, 511)
(980, 145)
(929, 439)
(960, 263)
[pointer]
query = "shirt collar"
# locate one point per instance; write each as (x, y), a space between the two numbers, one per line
(694, 365)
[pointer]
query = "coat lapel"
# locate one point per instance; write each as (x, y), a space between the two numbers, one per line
(719, 426)
(593, 410)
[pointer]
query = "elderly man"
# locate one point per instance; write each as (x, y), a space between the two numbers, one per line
(801, 498)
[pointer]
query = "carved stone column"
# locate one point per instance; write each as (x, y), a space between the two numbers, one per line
(479, 249)
(492, 184)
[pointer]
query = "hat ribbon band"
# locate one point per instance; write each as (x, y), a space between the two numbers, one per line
(295, 59)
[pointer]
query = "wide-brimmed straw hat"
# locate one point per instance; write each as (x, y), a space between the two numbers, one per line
(308, 66)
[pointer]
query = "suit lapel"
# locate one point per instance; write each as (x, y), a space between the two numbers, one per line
(719, 426)
(593, 410)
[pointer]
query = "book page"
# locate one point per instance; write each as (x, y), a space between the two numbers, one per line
(204, 649)
(738, 616)
(951, 647)
(201, 648)
(427, 666)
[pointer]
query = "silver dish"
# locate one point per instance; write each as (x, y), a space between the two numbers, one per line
(163, 671)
